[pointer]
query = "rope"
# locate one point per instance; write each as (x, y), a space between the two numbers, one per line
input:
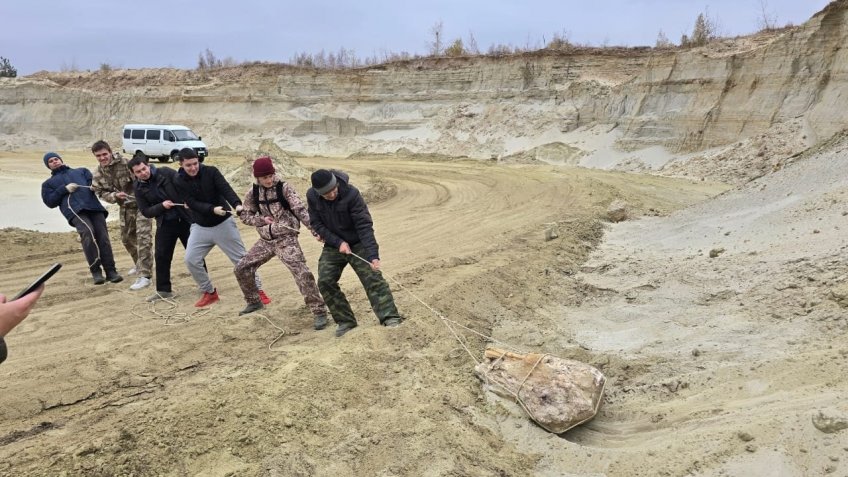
(283, 332)
(170, 319)
(530, 372)
(93, 239)
(128, 196)
(517, 393)
(449, 324)
(447, 321)
(99, 260)
(232, 210)
(179, 318)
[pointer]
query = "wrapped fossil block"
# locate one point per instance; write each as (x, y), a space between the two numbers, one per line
(557, 393)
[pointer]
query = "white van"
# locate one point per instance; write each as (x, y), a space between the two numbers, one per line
(162, 141)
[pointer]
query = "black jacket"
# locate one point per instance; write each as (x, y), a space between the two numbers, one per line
(150, 194)
(345, 219)
(205, 191)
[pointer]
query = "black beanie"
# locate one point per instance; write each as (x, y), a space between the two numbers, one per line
(323, 181)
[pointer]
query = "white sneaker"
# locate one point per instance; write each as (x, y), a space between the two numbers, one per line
(132, 271)
(140, 283)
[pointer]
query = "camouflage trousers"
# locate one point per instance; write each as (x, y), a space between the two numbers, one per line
(288, 250)
(137, 237)
(330, 267)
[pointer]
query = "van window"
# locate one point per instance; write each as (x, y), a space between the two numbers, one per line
(138, 133)
(127, 133)
(185, 135)
(153, 134)
(169, 136)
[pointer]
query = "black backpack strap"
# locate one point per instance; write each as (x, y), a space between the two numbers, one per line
(281, 198)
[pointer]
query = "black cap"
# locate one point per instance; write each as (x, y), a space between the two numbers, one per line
(323, 181)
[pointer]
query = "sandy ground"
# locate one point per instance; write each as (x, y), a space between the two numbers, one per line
(730, 365)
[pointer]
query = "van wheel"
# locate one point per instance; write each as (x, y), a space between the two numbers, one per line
(175, 156)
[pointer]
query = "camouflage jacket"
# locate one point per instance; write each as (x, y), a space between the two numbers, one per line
(286, 222)
(114, 178)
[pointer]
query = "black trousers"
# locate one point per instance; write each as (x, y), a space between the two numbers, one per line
(95, 240)
(167, 234)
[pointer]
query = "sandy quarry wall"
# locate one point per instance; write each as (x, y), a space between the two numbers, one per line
(712, 96)
(685, 100)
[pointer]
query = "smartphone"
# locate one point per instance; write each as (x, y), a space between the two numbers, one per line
(39, 281)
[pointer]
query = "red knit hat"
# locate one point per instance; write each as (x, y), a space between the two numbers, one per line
(263, 167)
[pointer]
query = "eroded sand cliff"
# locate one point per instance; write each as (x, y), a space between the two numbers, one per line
(482, 107)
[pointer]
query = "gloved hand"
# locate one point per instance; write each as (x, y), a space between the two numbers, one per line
(219, 211)
(239, 208)
(72, 187)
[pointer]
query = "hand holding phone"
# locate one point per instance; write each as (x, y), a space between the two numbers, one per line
(39, 281)
(14, 311)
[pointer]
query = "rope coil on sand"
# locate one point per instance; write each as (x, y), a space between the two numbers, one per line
(171, 318)
(166, 314)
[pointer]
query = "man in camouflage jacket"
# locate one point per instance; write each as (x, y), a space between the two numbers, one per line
(113, 183)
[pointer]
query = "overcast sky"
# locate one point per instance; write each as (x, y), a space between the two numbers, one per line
(83, 34)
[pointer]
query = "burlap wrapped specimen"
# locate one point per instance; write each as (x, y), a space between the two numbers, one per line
(557, 393)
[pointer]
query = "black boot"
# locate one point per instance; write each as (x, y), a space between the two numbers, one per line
(113, 276)
(320, 322)
(251, 307)
(344, 328)
(98, 277)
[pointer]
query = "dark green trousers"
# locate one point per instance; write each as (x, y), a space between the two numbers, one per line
(330, 267)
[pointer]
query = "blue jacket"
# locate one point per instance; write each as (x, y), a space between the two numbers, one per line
(54, 194)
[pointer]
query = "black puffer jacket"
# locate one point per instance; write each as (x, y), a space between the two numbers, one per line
(205, 191)
(151, 193)
(345, 219)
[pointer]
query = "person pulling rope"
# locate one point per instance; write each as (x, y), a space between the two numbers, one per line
(70, 190)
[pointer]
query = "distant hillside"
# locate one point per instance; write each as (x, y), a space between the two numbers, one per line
(686, 100)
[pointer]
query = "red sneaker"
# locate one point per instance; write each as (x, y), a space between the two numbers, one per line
(264, 298)
(207, 299)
